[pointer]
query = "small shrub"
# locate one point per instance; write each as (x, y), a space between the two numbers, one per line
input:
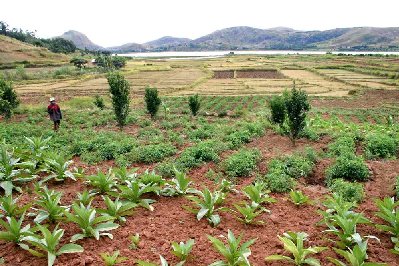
(194, 104)
(348, 191)
(297, 105)
(278, 110)
(238, 138)
(242, 163)
(349, 167)
(99, 102)
(120, 90)
(381, 146)
(297, 166)
(279, 181)
(342, 145)
(151, 153)
(152, 101)
(8, 99)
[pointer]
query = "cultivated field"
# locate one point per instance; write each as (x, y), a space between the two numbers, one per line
(350, 147)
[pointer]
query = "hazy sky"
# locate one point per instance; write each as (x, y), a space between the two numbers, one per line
(111, 23)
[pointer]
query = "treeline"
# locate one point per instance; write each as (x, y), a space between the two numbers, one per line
(56, 45)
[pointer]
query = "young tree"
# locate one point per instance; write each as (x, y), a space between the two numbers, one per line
(119, 89)
(152, 101)
(278, 110)
(297, 106)
(8, 99)
(194, 103)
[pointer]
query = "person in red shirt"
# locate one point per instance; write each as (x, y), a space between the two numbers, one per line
(55, 114)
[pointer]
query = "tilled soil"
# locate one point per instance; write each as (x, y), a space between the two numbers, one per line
(170, 222)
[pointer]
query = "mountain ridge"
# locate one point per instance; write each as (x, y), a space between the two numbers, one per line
(246, 38)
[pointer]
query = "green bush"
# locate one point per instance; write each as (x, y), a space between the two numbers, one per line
(348, 191)
(297, 166)
(120, 90)
(348, 167)
(278, 181)
(204, 132)
(152, 101)
(242, 163)
(397, 187)
(206, 151)
(238, 138)
(167, 168)
(297, 105)
(379, 145)
(151, 153)
(194, 104)
(342, 145)
(278, 109)
(8, 99)
(99, 102)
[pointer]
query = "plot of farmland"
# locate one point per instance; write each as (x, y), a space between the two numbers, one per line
(372, 82)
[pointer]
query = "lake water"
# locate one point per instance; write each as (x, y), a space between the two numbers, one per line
(215, 54)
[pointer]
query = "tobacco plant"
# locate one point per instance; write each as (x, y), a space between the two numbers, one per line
(388, 211)
(117, 209)
(90, 224)
(14, 231)
(37, 148)
(9, 207)
(112, 259)
(86, 197)
(354, 257)
(247, 213)
(294, 244)
(103, 183)
(258, 194)
(234, 254)
(179, 185)
(182, 250)
(207, 205)
(298, 198)
(49, 202)
(134, 241)
(48, 242)
(135, 190)
(59, 168)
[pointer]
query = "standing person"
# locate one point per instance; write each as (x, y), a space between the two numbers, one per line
(55, 113)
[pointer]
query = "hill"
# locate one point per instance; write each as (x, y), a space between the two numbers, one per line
(80, 40)
(13, 51)
(247, 38)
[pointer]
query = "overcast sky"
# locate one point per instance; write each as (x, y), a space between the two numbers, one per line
(111, 23)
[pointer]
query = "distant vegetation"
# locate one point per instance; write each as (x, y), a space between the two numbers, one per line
(56, 45)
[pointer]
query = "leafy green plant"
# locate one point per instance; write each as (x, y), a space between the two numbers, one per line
(135, 190)
(336, 205)
(380, 145)
(234, 254)
(85, 198)
(258, 194)
(389, 212)
(349, 167)
(59, 167)
(344, 228)
(226, 186)
(112, 259)
(242, 163)
(14, 231)
(9, 207)
(124, 175)
(342, 145)
(103, 183)
(152, 153)
(120, 90)
(37, 147)
(134, 241)
(354, 257)
(179, 185)
(152, 101)
(294, 244)
(278, 109)
(298, 198)
(297, 105)
(8, 98)
(207, 205)
(182, 250)
(247, 213)
(99, 102)
(349, 191)
(163, 262)
(117, 209)
(194, 104)
(10, 172)
(50, 209)
(91, 226)
(278, 181)
(48, 242)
